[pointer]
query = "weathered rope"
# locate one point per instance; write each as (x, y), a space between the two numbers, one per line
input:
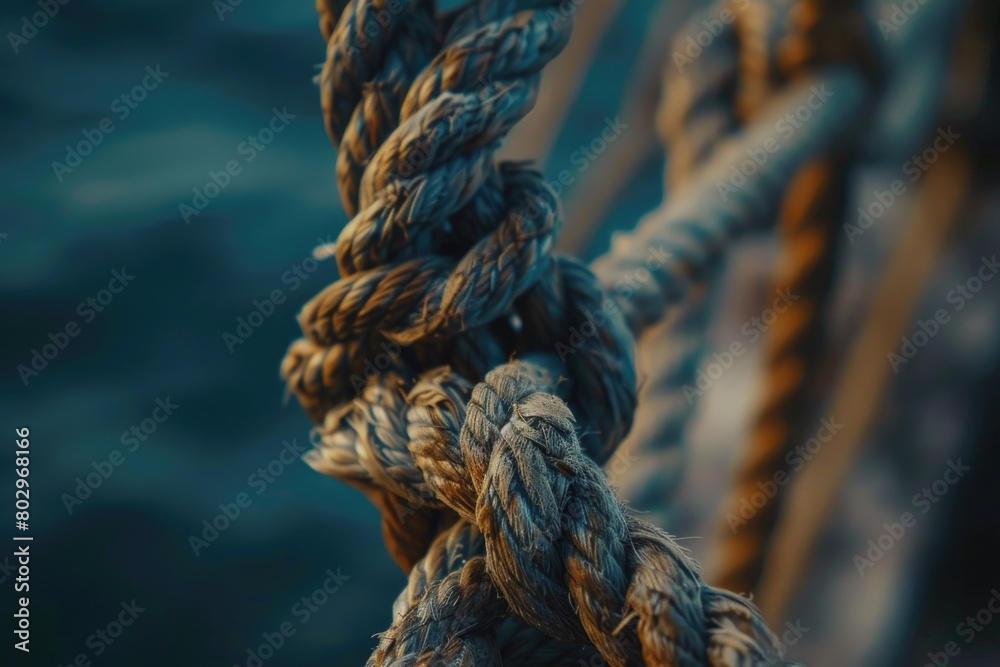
(446, 266)
(809, 220)
(596, 576)
(695, 112)
(696, 228)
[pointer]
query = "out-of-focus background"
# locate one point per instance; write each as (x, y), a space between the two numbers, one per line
(132, 264)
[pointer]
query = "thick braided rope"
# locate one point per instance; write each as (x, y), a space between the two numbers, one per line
(430, 186)
(431, 173)
(695, 111)
(425, 172)
(479, 630)
(548, 517)
(457, 451)
(809, 221)
(450, 613)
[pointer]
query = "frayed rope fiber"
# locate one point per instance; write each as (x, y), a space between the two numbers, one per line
(487, 470)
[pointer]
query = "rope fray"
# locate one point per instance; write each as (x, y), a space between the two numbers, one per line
(559, 549)
(487, 472)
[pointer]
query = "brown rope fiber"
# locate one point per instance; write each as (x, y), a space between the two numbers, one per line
(444, 246)
(822, 32)
(505, 374)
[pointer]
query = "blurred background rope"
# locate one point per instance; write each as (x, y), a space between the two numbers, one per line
(695, 112)
(943, 200)
(942, 214)
(821, 32)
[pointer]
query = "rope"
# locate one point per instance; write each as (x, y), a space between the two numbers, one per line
(943, 201)
(808, 226)
(509, 459)
(447, 273)
(695, 111)
(805, 267)
(697, 228)
(548, 517)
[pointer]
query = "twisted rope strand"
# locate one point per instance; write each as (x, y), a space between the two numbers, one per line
(447, 261)
(695, 229)
(808, 224)
(548, 517)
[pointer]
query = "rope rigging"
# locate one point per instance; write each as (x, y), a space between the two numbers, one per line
(482, 436)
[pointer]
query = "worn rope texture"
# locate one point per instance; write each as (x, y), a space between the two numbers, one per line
(807, 233)
(446, 266)
(696, 229)
(596, 575)
(695, 111)
(780, 39)
(808, 226)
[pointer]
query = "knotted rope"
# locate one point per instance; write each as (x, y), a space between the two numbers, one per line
(558, 547)
(446, 266)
